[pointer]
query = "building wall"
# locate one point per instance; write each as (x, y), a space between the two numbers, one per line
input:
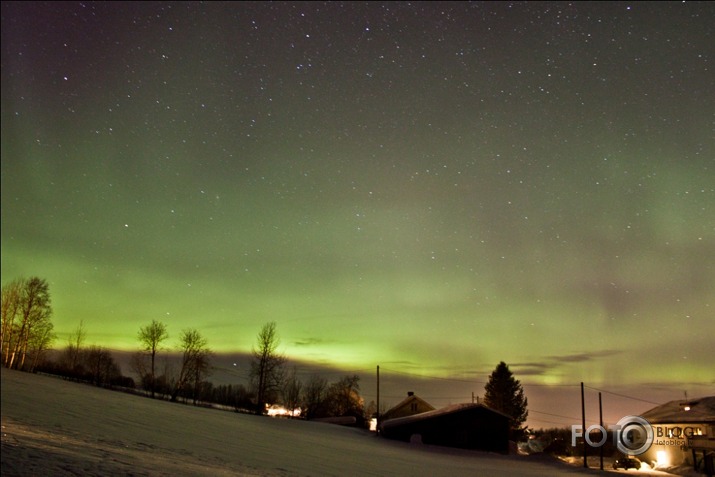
(670, 445)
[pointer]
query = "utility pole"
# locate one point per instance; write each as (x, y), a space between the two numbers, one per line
(600, 421)
(583, 426)
(377, 413)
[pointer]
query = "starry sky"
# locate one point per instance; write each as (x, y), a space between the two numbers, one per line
(433, 187)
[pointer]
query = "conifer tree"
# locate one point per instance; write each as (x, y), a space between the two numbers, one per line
(505, 394)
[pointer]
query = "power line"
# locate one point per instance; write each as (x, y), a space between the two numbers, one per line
(547, 421)
(624, 396)
(554, 415)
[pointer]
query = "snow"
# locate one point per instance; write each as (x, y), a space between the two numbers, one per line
(55, 427)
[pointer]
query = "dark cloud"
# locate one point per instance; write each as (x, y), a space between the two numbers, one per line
(308, 342)
(583, 357)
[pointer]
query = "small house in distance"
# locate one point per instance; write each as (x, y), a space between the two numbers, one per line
(466, 426)
(409, 406)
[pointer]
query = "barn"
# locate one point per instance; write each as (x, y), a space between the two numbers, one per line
(466, 426)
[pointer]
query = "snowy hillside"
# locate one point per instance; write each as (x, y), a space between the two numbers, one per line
(54, 427)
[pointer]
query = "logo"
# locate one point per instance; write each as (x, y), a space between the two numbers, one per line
(632, 435)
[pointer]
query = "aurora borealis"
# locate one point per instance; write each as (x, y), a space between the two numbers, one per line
(433, 187)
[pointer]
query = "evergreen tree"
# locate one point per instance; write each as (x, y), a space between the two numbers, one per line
(505, 394)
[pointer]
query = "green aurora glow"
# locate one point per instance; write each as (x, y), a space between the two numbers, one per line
(439, 187)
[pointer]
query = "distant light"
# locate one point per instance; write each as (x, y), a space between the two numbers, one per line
(276, 411)
(686, 408)
(662, 458)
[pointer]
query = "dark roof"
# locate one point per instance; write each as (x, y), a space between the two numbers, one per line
(454, 408)
(466, 426)
(701, 410)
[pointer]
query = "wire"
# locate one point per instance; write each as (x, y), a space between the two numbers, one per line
(554, 415)
(623, 395)
(546, 420)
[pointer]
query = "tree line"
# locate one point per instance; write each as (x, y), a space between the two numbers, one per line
(27, 335)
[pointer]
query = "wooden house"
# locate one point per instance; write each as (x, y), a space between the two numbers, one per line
(409, 406)
(466, 426)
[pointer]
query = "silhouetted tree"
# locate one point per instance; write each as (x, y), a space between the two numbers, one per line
(94, 364)
(314, 394)
(505, 394)
(267, 366)
(202, 369)
(236, 396)
(139, 365)
(291, 391)
(40, 341)
(194, 360)
(151, 337)
(101, 369)
(344, 398)
(74, 346)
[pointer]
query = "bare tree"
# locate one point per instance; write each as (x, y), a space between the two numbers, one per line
(194, 361)
(202, 368)
(151, 337)
(74, 346)
(11, 294)
(314, 394)
(344, 397)
(235, 395)
(40, 341)
(138, 365)
(291, 391)
(267, 366)
(34, 328)
(101, 367)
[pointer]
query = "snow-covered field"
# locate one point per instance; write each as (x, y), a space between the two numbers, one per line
(55, 427)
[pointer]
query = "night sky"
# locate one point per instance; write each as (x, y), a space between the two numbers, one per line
(432, 187)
